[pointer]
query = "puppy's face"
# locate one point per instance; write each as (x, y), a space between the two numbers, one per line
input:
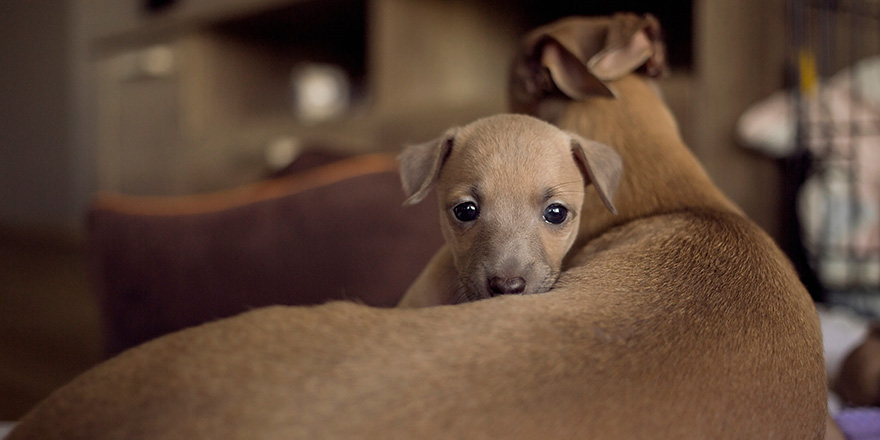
(510, 196)
(510, 190)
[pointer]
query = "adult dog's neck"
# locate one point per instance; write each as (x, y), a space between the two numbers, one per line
(660, 174)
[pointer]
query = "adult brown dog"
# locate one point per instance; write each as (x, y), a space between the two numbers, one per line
(679, 319)
(675, 237)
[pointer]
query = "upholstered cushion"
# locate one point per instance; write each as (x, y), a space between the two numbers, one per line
(336, 231)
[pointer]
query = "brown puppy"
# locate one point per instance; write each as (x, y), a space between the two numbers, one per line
(510, 189)
(678, 319)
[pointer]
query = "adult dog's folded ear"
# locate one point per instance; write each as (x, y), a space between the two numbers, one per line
(420, 165)
(601, 165)
(581, 54)
(633, 42)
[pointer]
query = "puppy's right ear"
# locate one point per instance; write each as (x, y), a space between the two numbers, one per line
(420, 166)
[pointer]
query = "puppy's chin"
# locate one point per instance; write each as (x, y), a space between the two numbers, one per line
(469, 292)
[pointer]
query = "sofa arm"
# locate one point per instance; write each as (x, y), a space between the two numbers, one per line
(338, 231)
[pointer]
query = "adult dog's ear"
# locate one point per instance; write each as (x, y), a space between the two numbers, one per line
(570, 74)
(600, 165)
(632, 42)
(582, 53)
(420, 165)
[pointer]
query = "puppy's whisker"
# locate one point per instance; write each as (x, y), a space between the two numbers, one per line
(461, 295)
(558, 193)
(557, 189)
(569, 182)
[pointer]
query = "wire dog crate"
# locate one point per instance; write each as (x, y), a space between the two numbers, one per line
(832, 175)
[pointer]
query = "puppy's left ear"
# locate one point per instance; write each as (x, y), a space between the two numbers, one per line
(420, 166)
(601, 166)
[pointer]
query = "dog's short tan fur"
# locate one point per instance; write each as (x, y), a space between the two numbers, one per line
(509, 169)
(675, 234)
(677, 318)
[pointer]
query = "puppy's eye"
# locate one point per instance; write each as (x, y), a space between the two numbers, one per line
(466, 212)
(555, 213)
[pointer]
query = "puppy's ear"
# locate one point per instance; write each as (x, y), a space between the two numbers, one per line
(420, 165)
(601, 166)
(582, 53)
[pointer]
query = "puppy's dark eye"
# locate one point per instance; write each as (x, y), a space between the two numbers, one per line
(466, 212)
(555, 213)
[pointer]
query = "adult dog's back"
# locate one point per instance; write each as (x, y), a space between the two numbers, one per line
(725, 326)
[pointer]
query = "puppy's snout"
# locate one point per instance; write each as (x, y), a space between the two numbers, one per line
(506, 286)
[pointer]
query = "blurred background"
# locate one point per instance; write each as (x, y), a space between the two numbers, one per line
(167, 98)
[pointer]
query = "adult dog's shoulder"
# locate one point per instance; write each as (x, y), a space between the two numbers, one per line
(715, 254)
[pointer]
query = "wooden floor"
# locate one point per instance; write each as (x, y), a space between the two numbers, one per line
(49, 329)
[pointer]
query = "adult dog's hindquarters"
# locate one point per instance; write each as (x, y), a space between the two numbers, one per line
(685, 268)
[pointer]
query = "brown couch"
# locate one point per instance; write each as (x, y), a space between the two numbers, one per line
(324, 231)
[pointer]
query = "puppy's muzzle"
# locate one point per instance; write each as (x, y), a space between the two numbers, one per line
(506, 286)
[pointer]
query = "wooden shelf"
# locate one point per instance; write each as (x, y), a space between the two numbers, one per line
(117, 26)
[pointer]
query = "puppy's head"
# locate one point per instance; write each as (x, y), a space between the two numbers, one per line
(576, 58)
(510, 189)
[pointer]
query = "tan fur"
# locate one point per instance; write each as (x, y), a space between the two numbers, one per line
(676, 319)
(676, 239)
(511, 168)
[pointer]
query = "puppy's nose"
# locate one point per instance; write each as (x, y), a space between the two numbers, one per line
(505, 286)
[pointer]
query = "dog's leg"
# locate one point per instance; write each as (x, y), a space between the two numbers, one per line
(436, 285)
